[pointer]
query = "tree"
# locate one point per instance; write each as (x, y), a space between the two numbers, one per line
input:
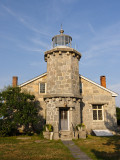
(118, 115)
(17, 109)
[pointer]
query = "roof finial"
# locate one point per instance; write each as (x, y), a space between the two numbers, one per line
(61, 31)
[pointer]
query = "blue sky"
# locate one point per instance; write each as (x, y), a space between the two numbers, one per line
(27, 27)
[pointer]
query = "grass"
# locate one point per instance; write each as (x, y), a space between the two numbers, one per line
(37, 148)
(100, 148)
(32, 148)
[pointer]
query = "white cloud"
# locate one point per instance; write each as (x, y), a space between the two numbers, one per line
(91, 28)
(9, 11)
(31, 49)
(104, 41)
(25, 23)
(41, 43)
(30, 26)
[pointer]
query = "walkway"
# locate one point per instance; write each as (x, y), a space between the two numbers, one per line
(75, 150)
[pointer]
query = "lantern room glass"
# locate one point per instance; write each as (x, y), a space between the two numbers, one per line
(62, 40)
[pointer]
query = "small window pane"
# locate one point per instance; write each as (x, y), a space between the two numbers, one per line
(99, 107)
(99, 114)
(94, 107)
(42, 87)
(65, 114)
(61, 116)
(94, 114)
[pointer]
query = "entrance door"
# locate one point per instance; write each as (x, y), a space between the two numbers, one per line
(63, 119)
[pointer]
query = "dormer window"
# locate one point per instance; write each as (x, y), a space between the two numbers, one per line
(42, 87)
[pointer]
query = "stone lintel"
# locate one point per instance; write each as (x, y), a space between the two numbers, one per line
(97, 103)
(71, 107)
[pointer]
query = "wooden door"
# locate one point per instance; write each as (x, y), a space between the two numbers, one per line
(64, 119)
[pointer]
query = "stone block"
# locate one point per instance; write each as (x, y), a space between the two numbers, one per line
(56, 136)
(46, 135)
(82, 134)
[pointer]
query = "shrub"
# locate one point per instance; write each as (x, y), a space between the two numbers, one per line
(17, 109)
(48, 127)
(81, 125)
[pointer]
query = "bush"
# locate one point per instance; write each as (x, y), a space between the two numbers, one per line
(7, 128)
(81, 125)
(17, 109)
(48, 127)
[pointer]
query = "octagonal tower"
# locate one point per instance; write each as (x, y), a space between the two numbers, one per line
(63, 87)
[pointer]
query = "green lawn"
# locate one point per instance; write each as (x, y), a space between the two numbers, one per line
(32, 148)
(37, 148)
(101, 148)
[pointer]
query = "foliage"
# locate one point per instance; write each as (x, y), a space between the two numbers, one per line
(48, 127)
(17, 109)
(81, 125)
(118, 115)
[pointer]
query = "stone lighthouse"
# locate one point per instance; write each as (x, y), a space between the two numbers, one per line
(63, 96)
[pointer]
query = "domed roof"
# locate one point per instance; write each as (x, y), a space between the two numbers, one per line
(62, 39)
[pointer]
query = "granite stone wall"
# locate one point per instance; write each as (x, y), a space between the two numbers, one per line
(93, 94)
(80, 110)
(54, 105)
(63, 71)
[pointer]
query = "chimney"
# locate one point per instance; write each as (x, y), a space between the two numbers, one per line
(103, 81)
(15, 81)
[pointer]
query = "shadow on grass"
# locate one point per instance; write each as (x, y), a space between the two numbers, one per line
(113, 142)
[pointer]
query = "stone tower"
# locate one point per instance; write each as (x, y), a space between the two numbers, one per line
(63, 87)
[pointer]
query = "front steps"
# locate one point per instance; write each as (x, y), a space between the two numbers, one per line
(65, 135)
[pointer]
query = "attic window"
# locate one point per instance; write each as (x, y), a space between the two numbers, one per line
(42, 88)
(97, 112)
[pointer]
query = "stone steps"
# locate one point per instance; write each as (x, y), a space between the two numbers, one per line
(65, 135)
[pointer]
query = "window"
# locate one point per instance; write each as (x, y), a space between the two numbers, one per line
(81, 87)
(42, 88)
(97, 112)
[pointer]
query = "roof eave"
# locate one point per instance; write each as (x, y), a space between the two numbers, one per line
(29, 81)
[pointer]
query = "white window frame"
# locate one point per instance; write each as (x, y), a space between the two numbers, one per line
(45, 88)
(97, 113)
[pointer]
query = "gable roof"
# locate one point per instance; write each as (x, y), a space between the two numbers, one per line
(98, 85)
(27, 82)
